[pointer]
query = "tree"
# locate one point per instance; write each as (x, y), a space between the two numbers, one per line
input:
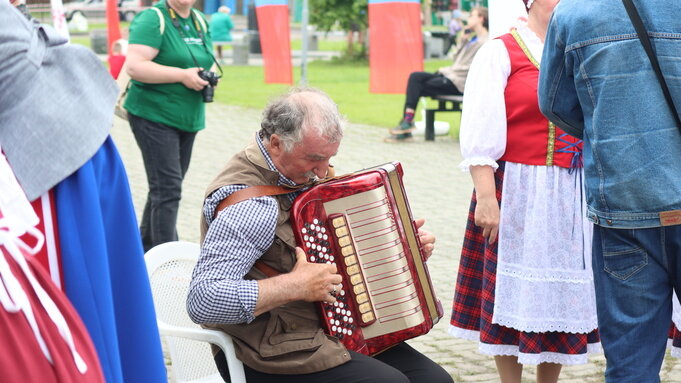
(348, 15)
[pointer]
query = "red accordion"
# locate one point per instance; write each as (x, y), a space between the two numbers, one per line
(363, 224)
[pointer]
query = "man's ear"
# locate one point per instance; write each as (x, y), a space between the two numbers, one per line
(276, 146)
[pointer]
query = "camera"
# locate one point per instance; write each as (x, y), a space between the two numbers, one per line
(207, 91)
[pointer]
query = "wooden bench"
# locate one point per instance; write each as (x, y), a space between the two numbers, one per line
(444, 104)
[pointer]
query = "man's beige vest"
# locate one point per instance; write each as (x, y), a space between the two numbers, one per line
(288, 339)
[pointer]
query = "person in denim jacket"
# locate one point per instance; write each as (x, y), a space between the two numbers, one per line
(597, 83)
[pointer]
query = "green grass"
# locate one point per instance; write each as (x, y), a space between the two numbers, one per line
(81, 40)
(346, 83)
(323, 45)
(92, 26)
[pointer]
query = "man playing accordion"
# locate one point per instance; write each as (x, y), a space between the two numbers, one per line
(272, 317)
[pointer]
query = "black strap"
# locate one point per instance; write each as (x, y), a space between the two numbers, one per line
(645, 41)
(176, 24)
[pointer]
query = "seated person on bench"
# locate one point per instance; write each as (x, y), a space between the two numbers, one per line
(447, 80)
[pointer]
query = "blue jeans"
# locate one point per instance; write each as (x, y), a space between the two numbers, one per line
(635, 272)
(166, 152)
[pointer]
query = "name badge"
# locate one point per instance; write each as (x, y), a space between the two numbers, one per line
(670, 218)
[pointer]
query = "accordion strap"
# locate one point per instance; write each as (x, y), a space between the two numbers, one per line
(266, 269)
(252, 192)
(266, 190)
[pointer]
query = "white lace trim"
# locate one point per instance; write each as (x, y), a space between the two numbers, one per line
(544, 357)
(547, 325)
(466, 164)
(523, 358)
(464, 333)
(545, 275)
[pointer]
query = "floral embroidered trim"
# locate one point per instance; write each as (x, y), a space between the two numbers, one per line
(551, 146)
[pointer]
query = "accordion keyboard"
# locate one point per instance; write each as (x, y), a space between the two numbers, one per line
(339, 318)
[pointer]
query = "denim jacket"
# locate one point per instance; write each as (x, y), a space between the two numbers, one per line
(597, 83)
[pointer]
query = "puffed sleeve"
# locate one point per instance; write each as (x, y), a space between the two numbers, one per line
(483, 120)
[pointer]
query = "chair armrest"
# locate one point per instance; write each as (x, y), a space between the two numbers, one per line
(218, 338)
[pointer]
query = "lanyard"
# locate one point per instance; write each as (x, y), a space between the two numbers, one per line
(176, 24)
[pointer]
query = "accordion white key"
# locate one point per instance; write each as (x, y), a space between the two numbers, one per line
(363, 224)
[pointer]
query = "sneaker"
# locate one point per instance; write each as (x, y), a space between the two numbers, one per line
(403, 128)
(395, 138)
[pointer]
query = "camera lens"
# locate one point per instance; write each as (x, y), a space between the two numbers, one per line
(207, 93)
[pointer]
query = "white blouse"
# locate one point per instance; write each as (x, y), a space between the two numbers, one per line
(483, 120)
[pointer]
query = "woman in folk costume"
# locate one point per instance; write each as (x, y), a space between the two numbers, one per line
(56, 109)
(43, 339)
(524, 287)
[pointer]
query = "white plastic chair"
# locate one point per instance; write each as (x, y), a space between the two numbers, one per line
(170, 267)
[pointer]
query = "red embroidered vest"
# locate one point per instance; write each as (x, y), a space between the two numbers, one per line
(531, 139)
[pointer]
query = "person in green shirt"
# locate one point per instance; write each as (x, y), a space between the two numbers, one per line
(170, 44)
(221, 26)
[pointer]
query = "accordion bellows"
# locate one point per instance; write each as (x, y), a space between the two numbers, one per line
(363, 224)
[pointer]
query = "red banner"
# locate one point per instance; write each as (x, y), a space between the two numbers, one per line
(395, 45)
(112, 23)
(275, 42)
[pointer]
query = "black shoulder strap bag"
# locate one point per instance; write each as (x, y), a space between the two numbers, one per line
(645, 41)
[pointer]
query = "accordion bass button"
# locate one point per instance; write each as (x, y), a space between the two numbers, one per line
(368, 317)
(355, 279)
(350, 260)
(341, 232)
(338, 222)
(344, 241)
(365, 308)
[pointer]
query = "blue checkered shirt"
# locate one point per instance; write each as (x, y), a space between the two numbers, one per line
(235, 239)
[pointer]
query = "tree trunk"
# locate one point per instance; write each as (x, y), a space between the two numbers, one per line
(427, 18)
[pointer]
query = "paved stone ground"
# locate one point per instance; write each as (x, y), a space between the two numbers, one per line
(437, 191)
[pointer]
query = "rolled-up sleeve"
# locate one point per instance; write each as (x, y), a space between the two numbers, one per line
(235, 239)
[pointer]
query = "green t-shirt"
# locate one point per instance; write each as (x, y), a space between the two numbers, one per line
(171, 104)
(220, 26)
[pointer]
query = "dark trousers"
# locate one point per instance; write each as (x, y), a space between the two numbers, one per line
(399, 364)
(424, 84)
(166, 153)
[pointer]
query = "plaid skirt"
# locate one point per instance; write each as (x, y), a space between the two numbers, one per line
(473, 307)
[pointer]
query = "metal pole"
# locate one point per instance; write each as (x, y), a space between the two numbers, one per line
(303, 53)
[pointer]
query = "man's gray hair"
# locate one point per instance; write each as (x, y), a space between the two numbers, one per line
(300, 109)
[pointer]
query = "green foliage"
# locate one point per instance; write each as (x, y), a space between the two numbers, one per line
(357, 53)
(346, 82)
(327, 14)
